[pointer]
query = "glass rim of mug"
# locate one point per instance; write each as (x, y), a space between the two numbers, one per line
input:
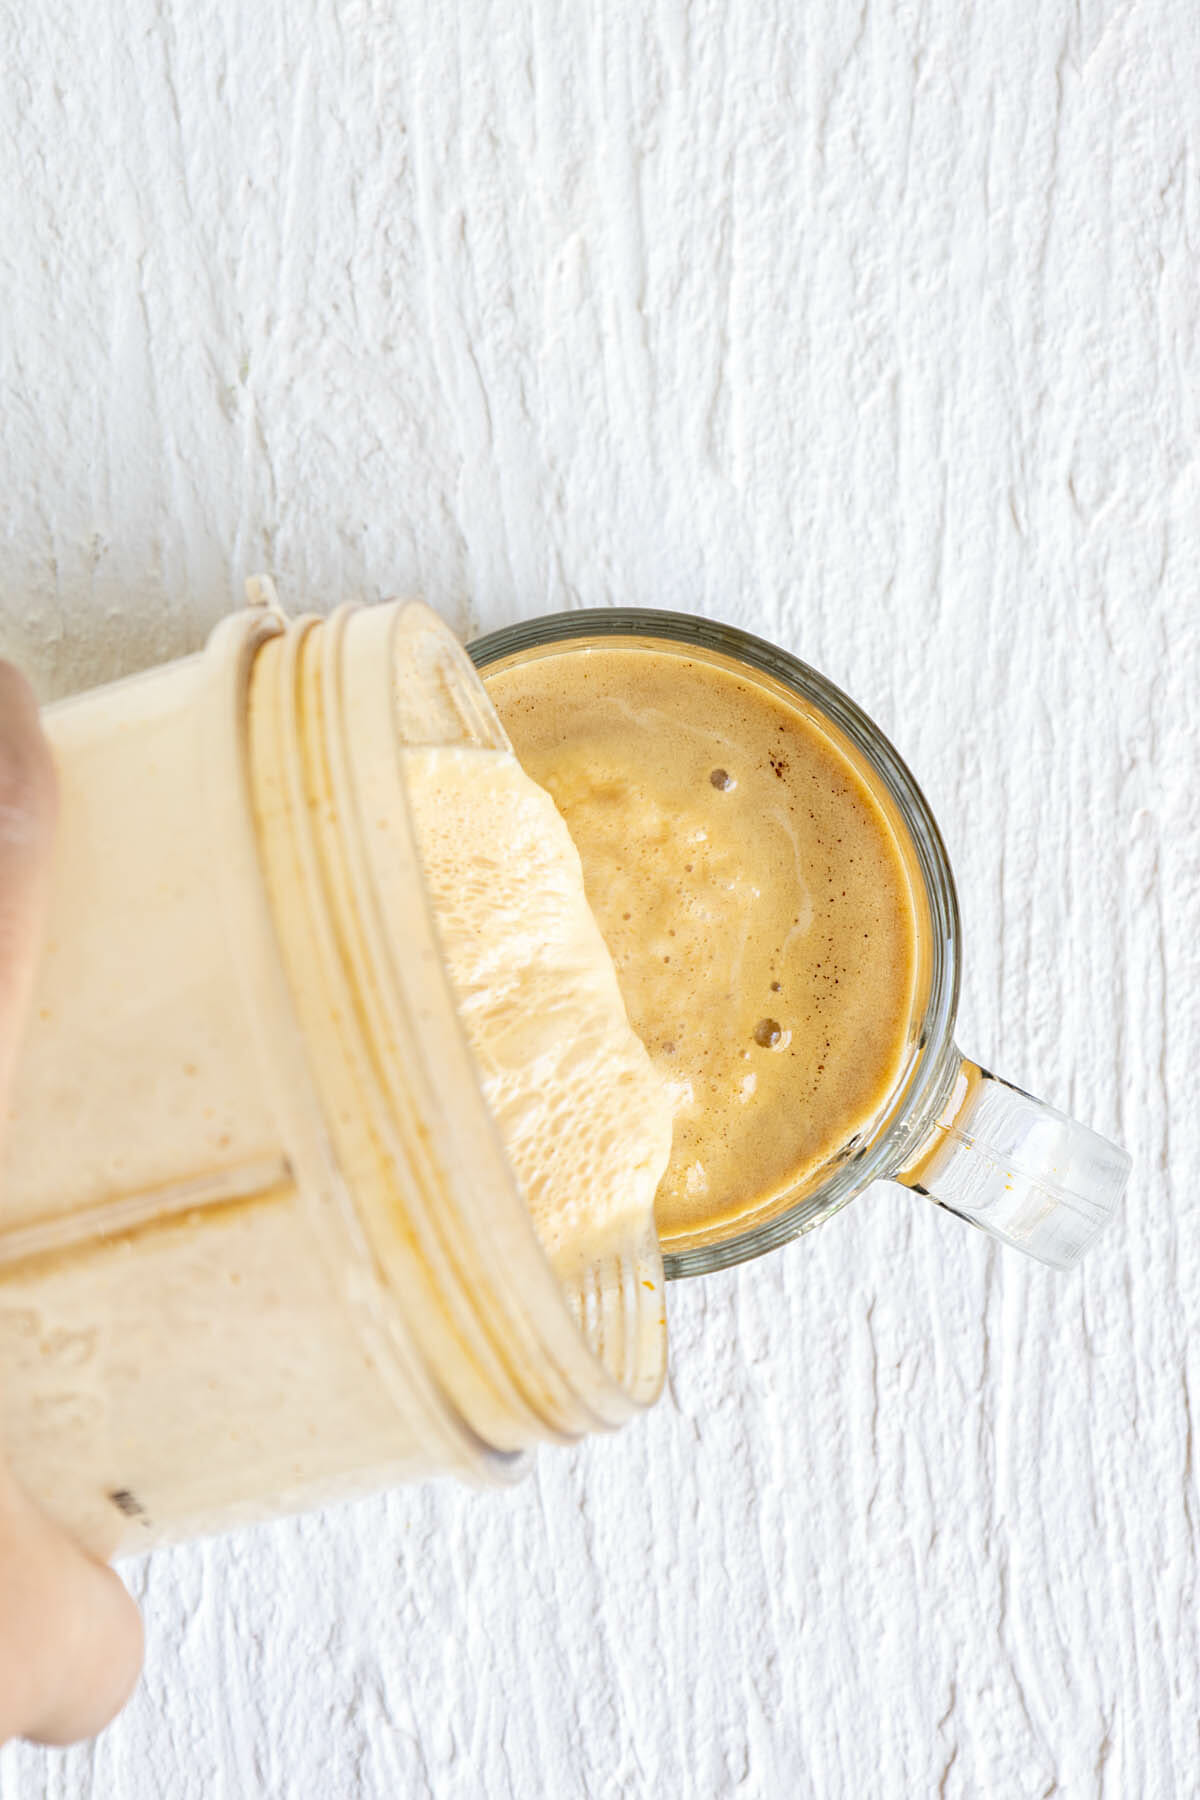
(922, 1089)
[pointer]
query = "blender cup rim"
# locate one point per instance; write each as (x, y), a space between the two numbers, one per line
(917, 1104)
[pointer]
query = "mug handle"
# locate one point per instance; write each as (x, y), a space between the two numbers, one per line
(1016, 1168)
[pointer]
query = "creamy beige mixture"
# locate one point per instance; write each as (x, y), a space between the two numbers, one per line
(753, 898)
(583, 1115)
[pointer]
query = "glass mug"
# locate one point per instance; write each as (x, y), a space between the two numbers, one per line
(950, 1130)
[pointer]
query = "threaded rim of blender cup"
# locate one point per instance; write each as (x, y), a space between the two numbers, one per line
(468, 1247)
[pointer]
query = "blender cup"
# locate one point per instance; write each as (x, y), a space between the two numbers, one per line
(260, 1244)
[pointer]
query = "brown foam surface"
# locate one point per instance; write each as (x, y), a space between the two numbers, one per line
(754, 900)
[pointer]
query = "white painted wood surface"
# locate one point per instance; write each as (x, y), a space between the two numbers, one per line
(872, 325)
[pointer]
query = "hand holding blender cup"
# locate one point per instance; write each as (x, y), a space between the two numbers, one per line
(70, 1636)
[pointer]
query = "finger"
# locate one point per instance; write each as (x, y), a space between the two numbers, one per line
(71, 1644)
(27, 812)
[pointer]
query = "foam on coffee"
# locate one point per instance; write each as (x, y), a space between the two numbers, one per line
(753, 896)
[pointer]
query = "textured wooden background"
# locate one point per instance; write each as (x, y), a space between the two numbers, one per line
(872, 326)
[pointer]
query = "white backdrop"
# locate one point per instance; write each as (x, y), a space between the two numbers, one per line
(872, 325)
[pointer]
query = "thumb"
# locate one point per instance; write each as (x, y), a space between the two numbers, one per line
(70, 1636)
